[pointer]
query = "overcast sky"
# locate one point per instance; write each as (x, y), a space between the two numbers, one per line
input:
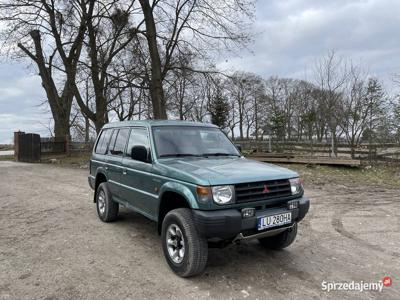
(292, 35)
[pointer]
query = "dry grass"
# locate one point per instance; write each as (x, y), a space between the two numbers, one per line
(6, 157)
(76, 160)
(383, 176)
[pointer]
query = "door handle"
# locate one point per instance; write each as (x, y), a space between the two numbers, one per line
(124, 172)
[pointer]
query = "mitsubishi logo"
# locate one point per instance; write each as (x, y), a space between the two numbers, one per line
(266, 190)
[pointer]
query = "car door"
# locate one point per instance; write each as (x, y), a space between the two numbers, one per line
(114, 156)
(140, 188)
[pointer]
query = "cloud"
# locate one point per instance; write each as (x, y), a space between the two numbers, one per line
(294, 33)
(21, 96)
(291, 36)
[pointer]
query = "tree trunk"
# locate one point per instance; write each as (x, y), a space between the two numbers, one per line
(87, 127)
(101, 112)
(60, 106)
(156, 88)
(61, 125)
(256, 119)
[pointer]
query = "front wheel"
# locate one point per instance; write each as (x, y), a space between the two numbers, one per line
(281, 240)
(185, 250)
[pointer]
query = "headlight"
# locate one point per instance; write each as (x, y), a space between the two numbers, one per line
(295, 186)
(223, 194)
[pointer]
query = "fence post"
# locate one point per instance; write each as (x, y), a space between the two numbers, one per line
(17, 135)
(269, 144)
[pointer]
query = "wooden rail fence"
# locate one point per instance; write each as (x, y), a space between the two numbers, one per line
(320, 153)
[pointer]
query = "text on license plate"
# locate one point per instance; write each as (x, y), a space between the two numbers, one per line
(273, 221)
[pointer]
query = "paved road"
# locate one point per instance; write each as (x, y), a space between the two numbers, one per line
(52, 246)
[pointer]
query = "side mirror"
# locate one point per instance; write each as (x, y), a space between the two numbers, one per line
(239, 148)
(140, 153)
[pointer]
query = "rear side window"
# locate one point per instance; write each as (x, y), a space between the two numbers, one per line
(120, 142)
(138, 137)
(112, 141)
(104, 139)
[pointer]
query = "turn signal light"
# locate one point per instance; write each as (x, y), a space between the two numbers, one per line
(203, 193)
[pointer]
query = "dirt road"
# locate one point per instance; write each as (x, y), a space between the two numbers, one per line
(52, 246)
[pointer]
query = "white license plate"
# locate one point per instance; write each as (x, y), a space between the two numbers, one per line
(274, 221)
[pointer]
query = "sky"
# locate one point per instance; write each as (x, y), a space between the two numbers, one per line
(290, 36)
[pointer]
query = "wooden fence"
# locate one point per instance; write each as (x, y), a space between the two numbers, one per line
(84, 147)
(30, 147)
(64, 146)
(306, 151)
(51, 145)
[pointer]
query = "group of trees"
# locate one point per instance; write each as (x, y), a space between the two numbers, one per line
(342, 103)
(138, 59)
(121, 56)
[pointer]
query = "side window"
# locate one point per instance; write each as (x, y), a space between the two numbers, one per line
(120, 142)
(104, 139)
(99, 142)
(138, 137)
(112, 141)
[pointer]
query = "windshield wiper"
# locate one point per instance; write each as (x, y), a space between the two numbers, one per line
(220, 154)
(178, 155)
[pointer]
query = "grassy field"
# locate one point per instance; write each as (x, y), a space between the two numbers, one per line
(384, 176)
(6, 157)
(79, 160)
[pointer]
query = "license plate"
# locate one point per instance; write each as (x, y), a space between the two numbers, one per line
(274, 220)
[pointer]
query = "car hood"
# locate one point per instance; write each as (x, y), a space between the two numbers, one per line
(226, 170)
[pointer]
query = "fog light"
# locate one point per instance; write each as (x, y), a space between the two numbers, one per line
(248, 212)
(293, 205)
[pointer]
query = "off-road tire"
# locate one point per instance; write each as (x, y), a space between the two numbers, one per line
(196, 247)
(281, 240)
(111, 208)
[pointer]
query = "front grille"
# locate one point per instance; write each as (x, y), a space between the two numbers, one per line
(264, 190)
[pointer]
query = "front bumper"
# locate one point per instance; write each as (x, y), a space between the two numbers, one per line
(227, 224)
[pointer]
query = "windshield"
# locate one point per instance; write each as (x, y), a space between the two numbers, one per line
(179, 141)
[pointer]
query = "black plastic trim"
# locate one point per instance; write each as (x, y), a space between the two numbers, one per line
(228, 223)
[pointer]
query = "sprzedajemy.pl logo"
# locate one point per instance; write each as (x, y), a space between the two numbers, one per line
(360, 286)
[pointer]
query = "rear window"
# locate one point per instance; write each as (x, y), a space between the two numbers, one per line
(103, 142)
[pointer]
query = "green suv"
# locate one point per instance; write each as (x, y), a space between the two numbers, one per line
(190, 179)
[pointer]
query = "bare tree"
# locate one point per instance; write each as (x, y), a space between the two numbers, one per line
(50, 34)
(330, 77)
(175, 26)
(109, 33)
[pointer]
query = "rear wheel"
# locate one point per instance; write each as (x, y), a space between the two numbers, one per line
(107, 209)
(185, 250)
(281, 240)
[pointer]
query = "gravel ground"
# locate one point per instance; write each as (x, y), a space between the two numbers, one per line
(52, 246)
